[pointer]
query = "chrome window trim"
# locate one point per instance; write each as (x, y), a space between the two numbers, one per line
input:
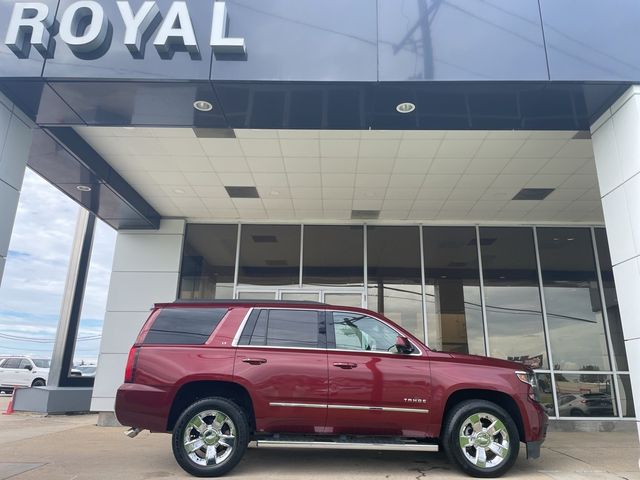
(236, 338)
(243, 324)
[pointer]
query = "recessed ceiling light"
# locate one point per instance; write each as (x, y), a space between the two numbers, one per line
(129, 128)
(570, 239)
(405, 107)
(202, 106)
(84, 188)
(178, 191)
(274, 192)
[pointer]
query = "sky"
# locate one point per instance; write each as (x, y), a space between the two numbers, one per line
(35, 272)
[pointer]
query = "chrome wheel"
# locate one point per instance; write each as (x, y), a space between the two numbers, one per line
(209, 438)
(484, 440)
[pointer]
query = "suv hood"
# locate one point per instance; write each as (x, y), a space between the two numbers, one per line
(488, 361)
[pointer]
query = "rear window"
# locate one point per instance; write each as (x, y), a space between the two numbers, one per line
(187, 326)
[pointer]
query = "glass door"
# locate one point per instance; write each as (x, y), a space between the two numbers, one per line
(345, 299)
(349, 297)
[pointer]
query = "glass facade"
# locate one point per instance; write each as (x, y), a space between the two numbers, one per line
(543, 296)
(511, 290)
(452, 290)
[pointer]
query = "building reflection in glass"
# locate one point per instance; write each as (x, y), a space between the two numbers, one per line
(512, 296)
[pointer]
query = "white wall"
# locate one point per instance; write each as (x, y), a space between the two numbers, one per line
(616, 144)
(146, 266)
(15, 142)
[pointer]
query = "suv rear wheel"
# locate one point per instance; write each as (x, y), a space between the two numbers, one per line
(210, 437)
(481, 438)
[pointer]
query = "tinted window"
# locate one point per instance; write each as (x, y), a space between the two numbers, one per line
(572, 297)
(285, 328)
(452, 276)
(269, 255)
(191, 326)
(208, 261)
(333, 255)
(11, 363)
(24, 363)
(394, 275)
(512, 296)
(359, 332)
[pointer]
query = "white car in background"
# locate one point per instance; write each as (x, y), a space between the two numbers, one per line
(23, 371)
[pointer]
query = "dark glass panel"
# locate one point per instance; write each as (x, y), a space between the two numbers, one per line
(452, 277)
(287, 328)
(269, 255)
(626, 396)
(333, 255)
(585, 395)
(188, 326)
(208, 261)
(394, 277)
(574, 313)
(512, 296)
(545, 393)
(611, 300)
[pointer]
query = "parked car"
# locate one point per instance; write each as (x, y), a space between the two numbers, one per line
(586, 405)
(219, 375)
(86, 370)
(24, 371)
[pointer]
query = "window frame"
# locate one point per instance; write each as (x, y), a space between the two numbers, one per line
(331, 340)
(243, 337)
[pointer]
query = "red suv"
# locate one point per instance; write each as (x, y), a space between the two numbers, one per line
(220, 375)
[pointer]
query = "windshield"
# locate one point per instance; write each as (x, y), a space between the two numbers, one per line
(41, 362)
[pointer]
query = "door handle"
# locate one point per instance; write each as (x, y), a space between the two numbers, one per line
(345, 365)
(255, 361)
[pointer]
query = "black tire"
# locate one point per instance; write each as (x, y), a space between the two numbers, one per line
(38, 382)
(456, 453)
(237, 417)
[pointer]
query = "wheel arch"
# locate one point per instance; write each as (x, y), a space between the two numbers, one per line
(499, 398)
(43, 380)
(192, 391)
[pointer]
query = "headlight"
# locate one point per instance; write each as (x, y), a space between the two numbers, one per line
(530, 379)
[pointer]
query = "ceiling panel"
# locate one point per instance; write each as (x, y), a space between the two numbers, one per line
(322, 175)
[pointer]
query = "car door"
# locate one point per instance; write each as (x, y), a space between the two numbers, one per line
(24, 373)
(8, 371)
(281, 359)
(374, 389)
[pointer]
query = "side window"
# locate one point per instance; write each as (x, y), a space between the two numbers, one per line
(354, 331)
(23, 363)
(285, 328)
(11, 363)
(186, 326)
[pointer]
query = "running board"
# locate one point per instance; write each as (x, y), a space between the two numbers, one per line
(346, 445)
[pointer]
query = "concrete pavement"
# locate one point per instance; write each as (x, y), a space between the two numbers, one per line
(35, 447)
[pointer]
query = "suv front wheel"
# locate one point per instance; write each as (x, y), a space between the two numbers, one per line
(210, 437)
(481, 438)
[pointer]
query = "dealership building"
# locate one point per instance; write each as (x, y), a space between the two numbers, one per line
(468, 168)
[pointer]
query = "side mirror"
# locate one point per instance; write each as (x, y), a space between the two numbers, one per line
(29, 367)
(403, 345)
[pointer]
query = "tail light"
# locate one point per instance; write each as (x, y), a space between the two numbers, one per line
(132, 360)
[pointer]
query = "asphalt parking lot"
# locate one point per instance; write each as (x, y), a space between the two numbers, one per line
(73, 448)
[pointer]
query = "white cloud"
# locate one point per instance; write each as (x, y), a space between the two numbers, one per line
(36, 269)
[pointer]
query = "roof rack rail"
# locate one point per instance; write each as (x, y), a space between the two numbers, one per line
(243, 301)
